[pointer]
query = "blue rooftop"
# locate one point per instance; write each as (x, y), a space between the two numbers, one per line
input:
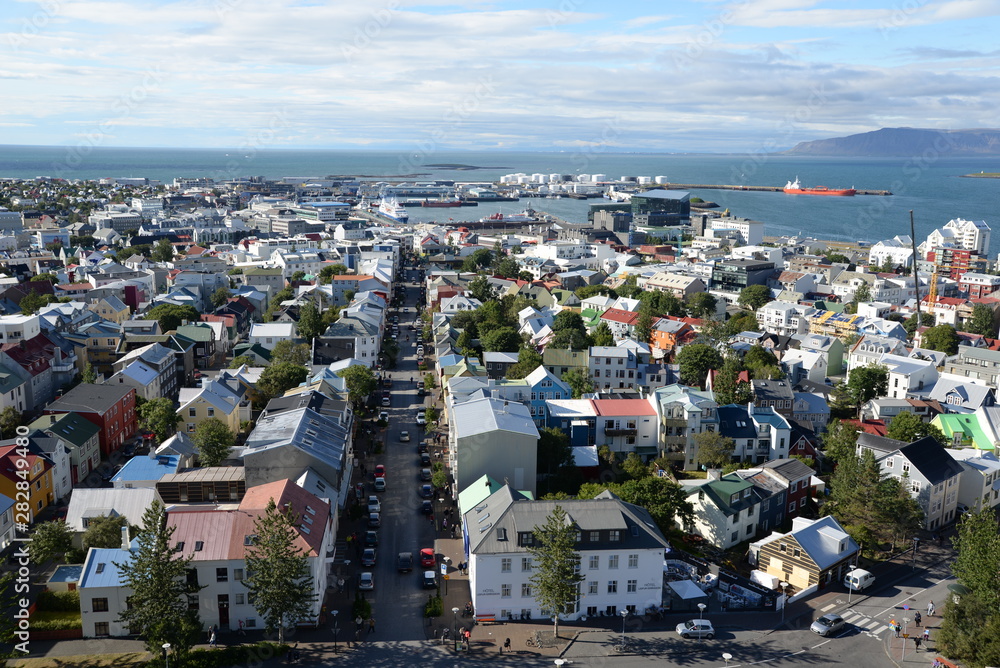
(142, 468)
(99, 569)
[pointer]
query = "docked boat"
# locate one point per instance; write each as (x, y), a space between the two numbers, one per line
(390, 208)
(441, 203)
(795, 188)
(529, 215)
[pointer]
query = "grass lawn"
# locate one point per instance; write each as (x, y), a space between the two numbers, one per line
(134, 659)
(53, 620)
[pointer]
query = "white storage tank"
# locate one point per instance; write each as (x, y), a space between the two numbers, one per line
(661, 180)
(597, 178)
(643, 180)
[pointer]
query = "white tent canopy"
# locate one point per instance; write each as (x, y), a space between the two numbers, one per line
(686, 590)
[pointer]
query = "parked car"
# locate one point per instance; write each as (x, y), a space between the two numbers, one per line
(383, 416)
(425, 459)
(421, 419)
(696, 628)
(379, 484)
(426, 507)
(427, 558)
(366, 581)
(404, 436)
(380, 470)
(374, 506)
(371, 538)
(404, 562)
(368, 557)
(426, 491)
(386, 401)
(827, 624)
(422, 447)
(374, 520)
(430, 580)
(425, 474)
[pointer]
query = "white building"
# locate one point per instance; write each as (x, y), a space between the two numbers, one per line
(973, 235)
(908, 376)
(16, 328)
(620, 547)
(978, 486)
(899, 250)
(267, 334)
(784, 318)
(492, 437)
(751, 232)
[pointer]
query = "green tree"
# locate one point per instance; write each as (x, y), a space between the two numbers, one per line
(287, 350)
(327, 273)
(942, 337)
(279, 378)
(701, 305)
(741, 322)
(977, 560)
(569, 339)
(157, 575)
(588, 291)
(754, 296)
(696, 360)
(220, 296)
(868, 382)
(480, 288)
(579, 381)
(634, 467)
(629, 288)
(970, 632)
(10, 419)
(478, 261)
(49, 540)
(908, 427)
(603, 335)
(215, 440)
(360, 382)
(556, 562)
(502, 339)
(528, 359)
(862, 294)
(104, 532)
(88, 376)
(163, 251)
(982, 322)
(277, 572)
(240, 360)
(665, 500)
(910, 324)
(644, 326)
(758, 357)
(728, 387)
(714, 449)
(310, 322)
(840, 440)
(171, 316)
(31, 302)
(508, 268)
(553, 453)
(568, 320)
(45, 276)
(160, 417)
(297, 276)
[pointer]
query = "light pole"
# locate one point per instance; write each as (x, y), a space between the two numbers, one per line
(850, 588)
(624, 617)
(784, 600)
(726, 656)
(166, 653)
(336, 630)
(454, 626)
(906, 621)
(916, 544)
(701, 611)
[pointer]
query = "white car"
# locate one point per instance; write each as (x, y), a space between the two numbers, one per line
(383, 416)
(404, 436)
(366, 582)
(421, 420)
(696, 628)
(374, 506)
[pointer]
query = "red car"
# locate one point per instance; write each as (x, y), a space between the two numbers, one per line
(380, 471)
(427, 558)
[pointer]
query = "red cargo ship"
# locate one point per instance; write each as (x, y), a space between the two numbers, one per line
(795, 188)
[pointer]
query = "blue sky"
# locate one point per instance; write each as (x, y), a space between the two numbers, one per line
(708, 76)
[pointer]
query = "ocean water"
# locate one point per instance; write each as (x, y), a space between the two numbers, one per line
(930, 185)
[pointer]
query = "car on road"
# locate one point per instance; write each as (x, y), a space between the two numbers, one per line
(827, 624)
(383, 416)
(696, 628)
(425, 459)
(422, 447)
(380, 470)
(368, 557)
(380, 484)
(421, 419)
(426, 507)
(366, 581)
(425, 474)
(386, 401)
(427, 558)
(371, 538)
(430, 580)
(374, 506)
(404, 436)
(404, 562)
(374, 520)
(426, 491)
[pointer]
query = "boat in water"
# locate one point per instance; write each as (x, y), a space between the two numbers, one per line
(390, 208)
(795, 188)
(529, 215)
(441, 203)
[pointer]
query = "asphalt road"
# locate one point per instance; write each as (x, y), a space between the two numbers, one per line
(398, 599)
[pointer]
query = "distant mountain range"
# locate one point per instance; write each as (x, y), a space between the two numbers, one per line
(891, 142)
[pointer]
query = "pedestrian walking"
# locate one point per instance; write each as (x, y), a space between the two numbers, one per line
(930, 609)
(242, 632)
(506, 644)
(916, 618)
(895, 627)
(371, 625)
(927, 637)
(211, 639)
(916, 642)
(444, 522)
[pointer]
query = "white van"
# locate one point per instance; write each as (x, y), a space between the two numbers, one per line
(859, 579)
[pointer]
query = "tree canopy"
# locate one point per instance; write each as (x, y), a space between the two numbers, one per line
(908, 427)
(310, 323)
(579, 381)
(714, 449)
(287, 350)
(840, 440)
(171, 316)
(49, 540)
(982, 321)
(160, 417)
(528, 359)
(104, 532)
(214, 440)
(279, 378)
(941, 337)
(501, 339)
(360, 382)
(754, 296)
(696, 360)
(556, 576)
(868, 382)
(665, 500)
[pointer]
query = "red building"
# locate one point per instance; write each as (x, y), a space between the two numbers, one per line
(110, 407)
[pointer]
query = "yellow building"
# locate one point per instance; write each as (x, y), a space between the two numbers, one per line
(215, 400)
(37, 473)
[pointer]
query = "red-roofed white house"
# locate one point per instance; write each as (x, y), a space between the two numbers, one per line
(626, 425)
(622, 323)
(945, 309)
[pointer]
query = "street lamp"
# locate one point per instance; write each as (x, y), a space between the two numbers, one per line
(624, 617)
(906, 620)
(784, 600)
(701, 611)
(166, 653)
(916, 544)
(726, 656)
(336, 630)
(454, 626)
(850, 587)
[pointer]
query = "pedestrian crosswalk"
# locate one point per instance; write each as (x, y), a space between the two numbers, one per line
(865, 624)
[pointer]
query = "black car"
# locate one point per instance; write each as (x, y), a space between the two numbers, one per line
(426, 507)
(421, 447)
(371, 538)
(404, 562)
(426, 492)
(425, 459)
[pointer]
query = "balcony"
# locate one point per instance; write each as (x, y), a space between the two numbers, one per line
(624, 431)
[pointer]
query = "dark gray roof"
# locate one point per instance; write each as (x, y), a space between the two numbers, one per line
(879, 444)
(735, 422)
(772, 390)
(930, 458)
(789, 469)
(90, 398)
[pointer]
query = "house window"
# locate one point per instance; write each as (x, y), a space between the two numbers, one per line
(631, 586)
(211, 412)
(99, 604)
(505, 591)
(238, 574)
(633, 561)
(592, 587)
(915, 486)
(735, 537)
(595, 536)
(791, 506)
(888, 463)
(102, 629)
(612, 586)
(613, 561)
(595, 562)
(240, 599)
(525, 590)
(192, 412)
(614, 535)
(505, 565)
(525, 564)
(906, 468)
(222, 575)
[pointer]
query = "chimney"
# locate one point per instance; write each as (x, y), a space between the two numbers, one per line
(126, 539)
